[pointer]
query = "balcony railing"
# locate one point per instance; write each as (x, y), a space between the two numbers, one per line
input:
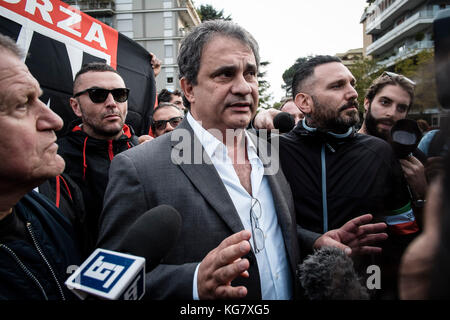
(406, 52)
(424, 16)
(101, 7)
(379, 18)
(190, 14)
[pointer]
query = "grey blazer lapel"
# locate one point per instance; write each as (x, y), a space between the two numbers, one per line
(197, 166)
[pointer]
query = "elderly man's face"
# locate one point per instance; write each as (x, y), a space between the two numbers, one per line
(27, 128)
(102, 120)
(226, 94)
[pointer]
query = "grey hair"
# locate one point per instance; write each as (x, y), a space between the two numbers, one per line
(192, 45)
(8, 44)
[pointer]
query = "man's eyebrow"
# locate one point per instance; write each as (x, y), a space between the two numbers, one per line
(223, 69)
(337, 81)
(251, 67)
(386, 98)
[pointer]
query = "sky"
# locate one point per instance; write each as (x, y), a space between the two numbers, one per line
(289, 29)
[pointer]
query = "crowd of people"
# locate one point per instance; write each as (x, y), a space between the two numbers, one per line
(254, 206)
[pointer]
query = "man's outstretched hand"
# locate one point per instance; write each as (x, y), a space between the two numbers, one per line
(355, 237)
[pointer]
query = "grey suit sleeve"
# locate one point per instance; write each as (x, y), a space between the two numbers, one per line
(125, 200)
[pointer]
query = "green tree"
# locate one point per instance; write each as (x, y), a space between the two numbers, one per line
(265, 96)
(288, 75)
(420, 68)
(365, 71)
(208, 12)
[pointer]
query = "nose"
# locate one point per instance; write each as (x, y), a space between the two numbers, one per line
(389, 112)
(110, 100)
(47, 119)
(168, 127)
(351, 94)
(241, 86)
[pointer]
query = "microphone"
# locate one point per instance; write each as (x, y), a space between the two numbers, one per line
(284, 122)
(113, 275)
(328, 274)
(152, 235)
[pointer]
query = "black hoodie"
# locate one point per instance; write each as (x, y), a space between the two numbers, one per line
(87, 164)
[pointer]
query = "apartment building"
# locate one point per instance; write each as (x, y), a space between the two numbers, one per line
(398, 29)
(158, 25)
(351, 56)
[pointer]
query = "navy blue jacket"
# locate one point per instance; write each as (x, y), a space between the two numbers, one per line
(37, 269)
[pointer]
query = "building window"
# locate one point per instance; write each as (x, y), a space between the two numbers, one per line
(169, 79)
(167, 23)
(168, 51)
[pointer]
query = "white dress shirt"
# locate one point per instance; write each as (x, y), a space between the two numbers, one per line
(273, 266)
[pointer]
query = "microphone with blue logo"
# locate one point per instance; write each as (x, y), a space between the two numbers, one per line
(113, 275)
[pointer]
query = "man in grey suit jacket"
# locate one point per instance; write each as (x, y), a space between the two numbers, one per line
(239, 236)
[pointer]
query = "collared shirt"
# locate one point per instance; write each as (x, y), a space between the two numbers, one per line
(273, 266)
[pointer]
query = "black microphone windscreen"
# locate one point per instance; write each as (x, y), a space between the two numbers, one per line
(284, 122)
(152, 235)
(328, 274)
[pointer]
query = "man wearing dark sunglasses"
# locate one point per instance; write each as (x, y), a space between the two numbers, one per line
(166, 117)
(100, 101)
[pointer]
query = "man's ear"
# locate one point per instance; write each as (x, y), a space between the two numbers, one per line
(75, 107)
(366, 104)
(304, 102)
(188, 90)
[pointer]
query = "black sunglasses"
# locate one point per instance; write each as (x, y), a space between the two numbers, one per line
(161, 124)
(396, 75)
(99, 95)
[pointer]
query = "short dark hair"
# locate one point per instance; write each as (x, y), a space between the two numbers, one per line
(306, 70)
(385, 80)
(93, 67)
(8, 44)
(191, 48)
(166, 95)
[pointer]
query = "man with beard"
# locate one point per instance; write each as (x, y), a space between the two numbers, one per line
(388, 100)
(337, 174)
(100, 101)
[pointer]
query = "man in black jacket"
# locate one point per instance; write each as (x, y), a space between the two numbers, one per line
(36, 240)
(335, 173)
(100, 101)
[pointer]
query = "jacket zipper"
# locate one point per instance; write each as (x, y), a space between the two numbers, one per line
(324, 190)
(324, 185)
(25, 269)
(110, 150)
(45, 260)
